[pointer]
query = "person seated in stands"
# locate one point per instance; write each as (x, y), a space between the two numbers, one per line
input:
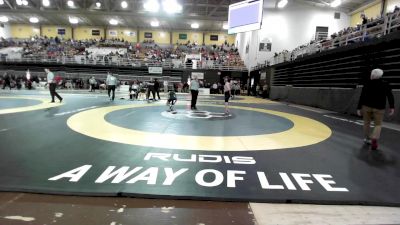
(171, 100)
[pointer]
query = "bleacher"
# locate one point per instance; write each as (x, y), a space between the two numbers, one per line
(374, 28)
(333, 79)
(344, 67)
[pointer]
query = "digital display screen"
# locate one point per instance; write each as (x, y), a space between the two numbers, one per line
(245, 16)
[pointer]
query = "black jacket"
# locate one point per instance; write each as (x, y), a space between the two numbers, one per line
(374, 95)
(156, 85)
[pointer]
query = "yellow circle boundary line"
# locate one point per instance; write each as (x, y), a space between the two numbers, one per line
(45, 104)
(304, 132)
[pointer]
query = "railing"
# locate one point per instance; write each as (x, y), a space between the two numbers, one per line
(135, 63)
(374, 29)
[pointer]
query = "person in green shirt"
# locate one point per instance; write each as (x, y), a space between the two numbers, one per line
(171, 100)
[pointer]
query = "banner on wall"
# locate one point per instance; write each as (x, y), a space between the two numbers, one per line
(61, 31)
(265, 45)
(130, 33)
(193, 57)
(263, 75)
(112, 33)
(199, 75)
(155, 70)
(182, 36)
(95, 32)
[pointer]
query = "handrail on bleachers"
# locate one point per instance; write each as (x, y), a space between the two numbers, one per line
(373, 29)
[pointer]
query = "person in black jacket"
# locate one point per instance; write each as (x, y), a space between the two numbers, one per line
(372, 105)
(6, 80)
(157, 88)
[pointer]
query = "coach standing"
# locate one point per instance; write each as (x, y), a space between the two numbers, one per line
(372, 105)
(52, 85)
(194, 89)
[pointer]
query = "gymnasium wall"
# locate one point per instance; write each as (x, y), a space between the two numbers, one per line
(222, 37)
(159, 37)
(81, 33)
(52, 31)
(287, 29)
(372, 11)
(192, 36)
(390, 4)
(24, 31)
(128, 34)
(5, 31)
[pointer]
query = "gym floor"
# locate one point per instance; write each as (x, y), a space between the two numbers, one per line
(141, 163)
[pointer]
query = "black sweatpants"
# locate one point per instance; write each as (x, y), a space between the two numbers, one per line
(7, 83)
(53, 92)
(195, 93)
(111, 88)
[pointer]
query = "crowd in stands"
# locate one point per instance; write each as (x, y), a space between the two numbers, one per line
(370, 28)
(147, 51)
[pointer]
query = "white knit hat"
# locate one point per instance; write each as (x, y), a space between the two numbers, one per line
(376, 74)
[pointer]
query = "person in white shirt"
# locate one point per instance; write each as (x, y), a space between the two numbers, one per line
(194, 89)
(52, 85)
(227, 92)
(92, 83)
(111, 84)
(215, 88)
(134, 91)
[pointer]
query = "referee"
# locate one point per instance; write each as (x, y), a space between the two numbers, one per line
(52, 85)
(194, 89)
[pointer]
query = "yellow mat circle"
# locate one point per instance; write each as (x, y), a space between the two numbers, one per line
(45, 103)
(304, 132)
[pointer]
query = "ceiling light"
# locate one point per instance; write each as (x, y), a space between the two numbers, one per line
(171, 6)
(3, 19)
(113, 22)
(46, 3)
(155, 23)
(25, 2)
(124, 4)
(73, 20)
(336, 3)
(225, 27)
(151, 6)
(1, 2)
(19, 2)
(70, 3)
(98, 4)
(34, 20)
(194, 25)
(282, 3)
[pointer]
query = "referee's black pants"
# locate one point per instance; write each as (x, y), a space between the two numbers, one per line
(53, 92)
(195, 93)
